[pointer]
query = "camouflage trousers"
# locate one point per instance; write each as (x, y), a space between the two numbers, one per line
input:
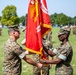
(43, 71)
(63, 71)
(8, 73)
(36, 70)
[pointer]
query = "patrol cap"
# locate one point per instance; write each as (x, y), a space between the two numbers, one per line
(63, 31)
(15, 27)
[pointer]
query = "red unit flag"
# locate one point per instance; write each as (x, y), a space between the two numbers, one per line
(38, 25)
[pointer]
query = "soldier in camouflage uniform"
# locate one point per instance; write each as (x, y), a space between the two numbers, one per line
(64, 54)
(47, 40)
(0, 29)
(13, 53)
(45, 70)
(74, 30)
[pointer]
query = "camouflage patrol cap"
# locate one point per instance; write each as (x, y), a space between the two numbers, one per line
(15, 27)
(63, 31)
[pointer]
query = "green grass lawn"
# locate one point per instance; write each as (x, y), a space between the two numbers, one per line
(28, 69)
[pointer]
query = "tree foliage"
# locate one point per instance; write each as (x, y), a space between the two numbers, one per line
(74, 20)
(23, 20)
(9, 16)
(62, 19)
(0, 18)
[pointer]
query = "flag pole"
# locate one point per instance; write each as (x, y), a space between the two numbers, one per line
(41, 72)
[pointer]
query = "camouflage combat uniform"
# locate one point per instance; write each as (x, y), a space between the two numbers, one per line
(36, 70)
(74, 30)
(0, 31)
(64, 67)
(12, 62)
(45, 70)
(47, 40)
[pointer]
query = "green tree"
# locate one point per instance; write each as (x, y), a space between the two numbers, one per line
(53, 18)
(74, 20)
(60, 19)
(0, 18)
(22, 20)
(9, 16)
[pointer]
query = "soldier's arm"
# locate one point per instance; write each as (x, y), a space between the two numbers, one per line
(21, 53)
(49, 52)
(30, 61)
(54, 61)
(61, 57)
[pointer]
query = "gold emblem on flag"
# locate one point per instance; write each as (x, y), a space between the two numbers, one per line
(34, 9)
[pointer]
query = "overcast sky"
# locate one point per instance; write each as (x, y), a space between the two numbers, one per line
(67, 7)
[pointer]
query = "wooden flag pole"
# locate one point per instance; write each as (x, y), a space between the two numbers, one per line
(41, 72)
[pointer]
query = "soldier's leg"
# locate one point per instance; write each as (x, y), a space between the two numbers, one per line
(36, 71)
(45, 70)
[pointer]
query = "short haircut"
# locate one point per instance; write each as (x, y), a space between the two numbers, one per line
(10, 30)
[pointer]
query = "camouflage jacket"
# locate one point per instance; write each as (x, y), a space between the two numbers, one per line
(12, 62)
(64, 52)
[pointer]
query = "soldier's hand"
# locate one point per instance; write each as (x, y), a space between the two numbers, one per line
(39, 65)
(23, 42)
